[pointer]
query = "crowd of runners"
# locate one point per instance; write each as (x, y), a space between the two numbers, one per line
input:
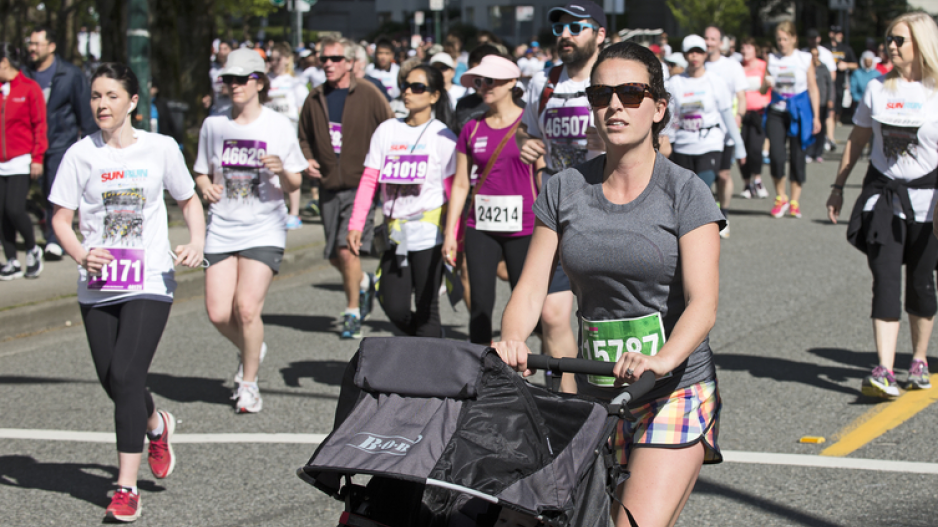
(591, 172)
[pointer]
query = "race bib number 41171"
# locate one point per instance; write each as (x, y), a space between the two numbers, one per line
(126, 272)
(607, 340)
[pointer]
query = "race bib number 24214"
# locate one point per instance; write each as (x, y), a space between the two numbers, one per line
(498, 213)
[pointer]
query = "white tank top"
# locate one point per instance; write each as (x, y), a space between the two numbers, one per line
(790, 75)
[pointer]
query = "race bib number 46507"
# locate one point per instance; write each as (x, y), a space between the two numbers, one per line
(405, 169)
(498, 213)
(607, 340)
(126, 272)
(568, 122)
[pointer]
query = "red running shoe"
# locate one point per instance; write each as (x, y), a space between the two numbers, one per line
(125, 507)
(160, 455)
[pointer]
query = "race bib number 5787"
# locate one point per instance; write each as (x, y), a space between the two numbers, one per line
(607, 340)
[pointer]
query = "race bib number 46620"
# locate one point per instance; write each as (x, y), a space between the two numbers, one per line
(498, 213)
(126, 272)
(607, 340)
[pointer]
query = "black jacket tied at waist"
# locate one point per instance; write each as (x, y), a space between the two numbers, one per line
(866, 230)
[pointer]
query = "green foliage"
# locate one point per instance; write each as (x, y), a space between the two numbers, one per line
(693, 16)
(245, 8)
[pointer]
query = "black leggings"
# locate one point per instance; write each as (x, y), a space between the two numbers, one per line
(753, 137)
(123, 339)
(13, 215)
(483, 251)
(776, 127)
(421, 277)
(919, 254)
(816, 150)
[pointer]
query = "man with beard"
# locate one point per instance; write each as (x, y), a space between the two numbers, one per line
(555, 122)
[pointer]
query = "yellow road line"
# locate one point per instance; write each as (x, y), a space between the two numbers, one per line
(881, 419)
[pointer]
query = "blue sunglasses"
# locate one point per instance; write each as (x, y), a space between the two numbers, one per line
(574, 27)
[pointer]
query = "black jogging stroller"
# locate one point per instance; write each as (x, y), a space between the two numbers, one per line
(451, 436)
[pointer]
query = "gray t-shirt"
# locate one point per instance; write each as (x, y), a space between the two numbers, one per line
(623, 260)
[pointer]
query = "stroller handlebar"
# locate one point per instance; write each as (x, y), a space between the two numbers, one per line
(589, 367)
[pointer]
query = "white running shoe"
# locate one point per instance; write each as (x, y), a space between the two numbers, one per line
(34, 262)
(249, 400)
(725, 232)
(53, 251)
(760, 189)
(239, 376)
(11, 270)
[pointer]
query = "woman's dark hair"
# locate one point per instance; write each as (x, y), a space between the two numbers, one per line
(644, 56)
(435, 83)
(121, 73)
(9, 52)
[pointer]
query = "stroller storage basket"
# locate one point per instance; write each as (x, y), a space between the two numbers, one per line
(452, 436)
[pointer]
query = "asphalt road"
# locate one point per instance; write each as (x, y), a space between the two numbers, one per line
(792, 342)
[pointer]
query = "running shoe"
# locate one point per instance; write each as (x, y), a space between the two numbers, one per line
(760, 189)
(795, 209)
(725, 231)
(765, 158)
(53, 252)
(780, 208)
(919, 378)
(351, 327)
(34, 262)
(249, 400)
(293, 223)
(11, 270)
(125, 507)
(808, 159)
(239, 376)
(881, 383)
(313, 207)
(828, 146)
(819, 159)
(748, 192)
(366, 298)
(160, 452)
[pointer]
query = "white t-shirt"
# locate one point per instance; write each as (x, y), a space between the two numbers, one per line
(696, 124)
(17, 166)
(388, 78)
(456, 92)
(733, 74)
(397, 150)
(826, 57)
(287, 95)
(530, 66)
(564, 121)
(314, 76)
(251, 212)
(214, 73)
(905, 137)
(789, 75)
(118, 194)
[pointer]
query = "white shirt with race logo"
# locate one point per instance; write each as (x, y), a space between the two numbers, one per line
(118, 194)
(905, 137)
(436, 152)
(287, 95)
(696, 124)
(563, 123)
(387, 77)
(314, 76)
(789, 75)
(251, 212)
(733, 74)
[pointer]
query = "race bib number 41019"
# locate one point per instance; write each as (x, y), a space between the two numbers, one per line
(498, 213)
(405, 169)
(607, 340)
(126, 272)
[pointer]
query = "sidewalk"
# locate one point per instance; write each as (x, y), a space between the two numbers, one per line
(30, 306)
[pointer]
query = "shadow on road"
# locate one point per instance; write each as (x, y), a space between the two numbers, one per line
(315, 323)
(83, 481)
(329, 287)
(790, 515)
(322, 371)
(23, 379)
(189, 389)
(824, 377)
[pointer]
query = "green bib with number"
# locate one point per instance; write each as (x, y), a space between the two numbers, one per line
(607, 340)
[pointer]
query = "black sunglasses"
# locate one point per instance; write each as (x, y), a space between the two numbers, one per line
(331, 58)
(630, 95)
(478, 81)
(238, 79)
(416, 88)
(898, 40)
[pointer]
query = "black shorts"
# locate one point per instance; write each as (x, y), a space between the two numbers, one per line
(335, 207)
(269, 256)
(560, 282)
(726, 162)
(704, 165)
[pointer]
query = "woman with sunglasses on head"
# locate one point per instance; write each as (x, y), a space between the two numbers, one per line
(639, 238)
(245, 164)
(115, 179)
(703, 115)
(287, 94)
(500, 219)
(892, 219)
(413, 160)
(795, 100)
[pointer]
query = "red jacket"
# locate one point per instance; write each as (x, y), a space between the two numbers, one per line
(22, 120)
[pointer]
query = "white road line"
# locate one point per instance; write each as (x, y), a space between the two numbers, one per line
(730, 456)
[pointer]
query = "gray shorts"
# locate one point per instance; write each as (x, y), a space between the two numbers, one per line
(335, 206)
(269, 256)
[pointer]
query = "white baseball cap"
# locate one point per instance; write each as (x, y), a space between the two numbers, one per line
(243, 62)
(677, 59)
(444, 59)
(692, 42)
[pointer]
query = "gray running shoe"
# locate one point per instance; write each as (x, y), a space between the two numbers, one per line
(351, 327)
(919, 378)
(881, 383)
(34, 262)
(11, 270)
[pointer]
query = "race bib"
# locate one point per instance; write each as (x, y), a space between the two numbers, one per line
(607, 340)
(498, 213)
(241, 164)
(335, 135)
(405, 169)
(692, 116)
(126, 272)
(566, 123)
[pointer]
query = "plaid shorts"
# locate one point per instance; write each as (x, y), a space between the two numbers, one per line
(682, 419)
